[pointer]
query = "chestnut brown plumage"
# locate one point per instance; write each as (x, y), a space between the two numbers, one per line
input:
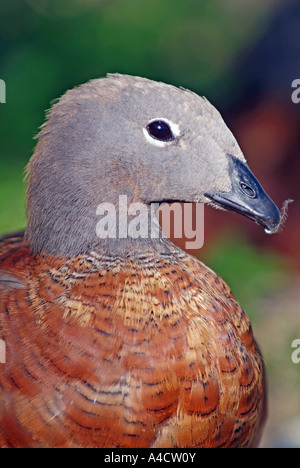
(127, 342)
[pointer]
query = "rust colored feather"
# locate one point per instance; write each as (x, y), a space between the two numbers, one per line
(146, 351)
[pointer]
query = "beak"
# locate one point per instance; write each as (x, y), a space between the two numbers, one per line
(247, 197)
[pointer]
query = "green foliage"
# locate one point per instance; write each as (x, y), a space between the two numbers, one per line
(48, 46)
(12, 198)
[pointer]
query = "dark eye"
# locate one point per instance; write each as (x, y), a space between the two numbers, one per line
(160, 130)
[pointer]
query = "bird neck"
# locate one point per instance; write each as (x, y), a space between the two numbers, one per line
(116, 231)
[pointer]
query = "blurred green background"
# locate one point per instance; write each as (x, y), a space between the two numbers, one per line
(243, 57)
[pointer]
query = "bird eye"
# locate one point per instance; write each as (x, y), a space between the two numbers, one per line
(160, 130)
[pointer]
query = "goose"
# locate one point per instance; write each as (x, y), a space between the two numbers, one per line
(123, 341)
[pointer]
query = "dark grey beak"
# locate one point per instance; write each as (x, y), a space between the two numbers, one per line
(247, 197)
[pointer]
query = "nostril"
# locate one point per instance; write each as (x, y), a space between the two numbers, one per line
(247, 190)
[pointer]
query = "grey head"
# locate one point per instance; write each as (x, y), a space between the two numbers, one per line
(126, 135)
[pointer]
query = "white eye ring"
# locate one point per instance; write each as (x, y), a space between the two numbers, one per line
(154, 141)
